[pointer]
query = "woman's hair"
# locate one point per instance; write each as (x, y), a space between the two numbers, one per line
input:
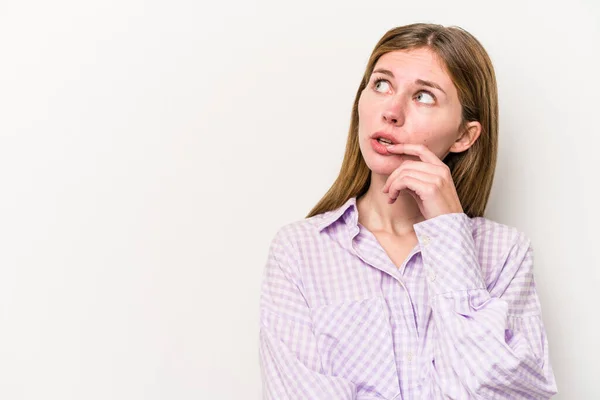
(470, 68)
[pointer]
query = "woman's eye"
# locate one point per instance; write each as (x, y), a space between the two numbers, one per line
(377, 83)
(428, 97)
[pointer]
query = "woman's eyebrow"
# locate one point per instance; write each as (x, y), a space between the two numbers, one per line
(418, 81)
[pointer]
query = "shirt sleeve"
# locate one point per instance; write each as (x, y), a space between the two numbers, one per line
(491, 342)
(289, 361)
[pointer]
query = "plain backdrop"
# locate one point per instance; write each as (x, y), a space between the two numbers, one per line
(149, 151)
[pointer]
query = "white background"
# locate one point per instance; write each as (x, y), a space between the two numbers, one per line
(150, 150)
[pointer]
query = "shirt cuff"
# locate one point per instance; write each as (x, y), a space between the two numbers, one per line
(449, 254)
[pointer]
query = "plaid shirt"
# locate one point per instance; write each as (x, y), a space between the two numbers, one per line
(459, 319)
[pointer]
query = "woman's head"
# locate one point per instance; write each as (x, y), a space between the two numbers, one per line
(431, 85)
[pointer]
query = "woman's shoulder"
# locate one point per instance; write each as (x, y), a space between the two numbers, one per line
(501, 251)
(483, 230)
(312, 226)
(488, 230)
(494, 243)
(297, 230)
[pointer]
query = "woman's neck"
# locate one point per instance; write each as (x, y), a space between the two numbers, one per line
(376, 214)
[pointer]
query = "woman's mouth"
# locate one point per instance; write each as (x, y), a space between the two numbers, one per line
(384, 141)
(380, 146)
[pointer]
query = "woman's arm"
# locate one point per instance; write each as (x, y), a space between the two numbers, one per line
(491, 344)
(289, 361)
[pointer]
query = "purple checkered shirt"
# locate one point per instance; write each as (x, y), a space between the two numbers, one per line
(460, 318)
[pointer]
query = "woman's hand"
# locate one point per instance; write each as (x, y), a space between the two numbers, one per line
(429, 181)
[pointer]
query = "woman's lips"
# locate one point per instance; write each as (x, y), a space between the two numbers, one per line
(380, 148)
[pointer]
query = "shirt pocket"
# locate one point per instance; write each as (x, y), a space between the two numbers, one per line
(354, 340)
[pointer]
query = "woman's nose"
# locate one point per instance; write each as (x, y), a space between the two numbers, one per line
(394, 113)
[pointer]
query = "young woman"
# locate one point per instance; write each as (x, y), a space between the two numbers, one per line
(395, 286)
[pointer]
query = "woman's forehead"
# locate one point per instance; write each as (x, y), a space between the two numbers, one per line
(410, 63)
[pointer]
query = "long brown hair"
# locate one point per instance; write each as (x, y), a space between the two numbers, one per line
(471, 71)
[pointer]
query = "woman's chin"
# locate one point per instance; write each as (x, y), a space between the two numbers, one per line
(382, 169)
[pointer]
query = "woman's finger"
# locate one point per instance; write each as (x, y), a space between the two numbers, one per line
(416, 184)
(419, 150)
(417, 166)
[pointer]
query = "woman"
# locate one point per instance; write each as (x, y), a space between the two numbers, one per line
(395, 286)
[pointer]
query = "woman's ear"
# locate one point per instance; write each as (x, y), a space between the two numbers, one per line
(469, 135)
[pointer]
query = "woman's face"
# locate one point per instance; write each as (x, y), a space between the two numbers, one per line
(410, 97)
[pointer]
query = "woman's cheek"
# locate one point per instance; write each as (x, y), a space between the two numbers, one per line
(424, 136)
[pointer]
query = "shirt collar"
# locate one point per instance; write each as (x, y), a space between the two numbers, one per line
(348, 212)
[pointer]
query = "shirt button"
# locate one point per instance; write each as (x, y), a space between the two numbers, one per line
(425, 240)
(409, 356)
